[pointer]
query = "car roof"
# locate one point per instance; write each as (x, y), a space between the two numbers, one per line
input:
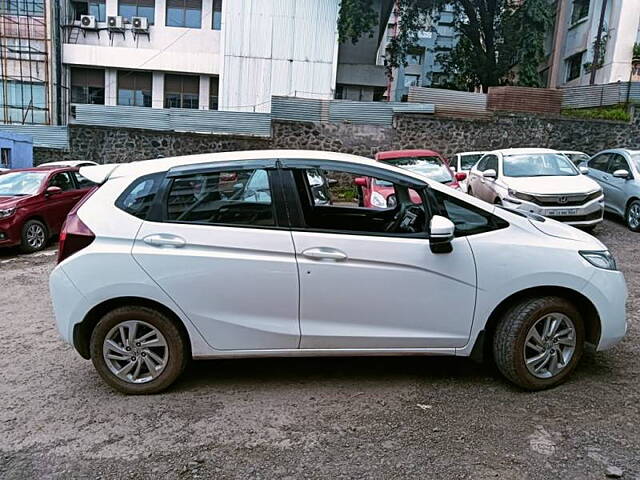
(403, 153)
(620, 150)
(522, 151)
(472, 153)
(70, 163)
(45, 169)
(100, 173)
(572, 152)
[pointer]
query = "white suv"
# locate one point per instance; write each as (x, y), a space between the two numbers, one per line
(538, 180)
(235, 255)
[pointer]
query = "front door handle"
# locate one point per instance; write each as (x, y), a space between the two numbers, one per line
(165, 240)
(325, 253)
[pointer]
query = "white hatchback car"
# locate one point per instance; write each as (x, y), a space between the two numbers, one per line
(540, 181)
(235, 255)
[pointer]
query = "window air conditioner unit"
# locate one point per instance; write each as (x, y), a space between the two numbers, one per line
(115, 22)
(88, 22)
(140, 23)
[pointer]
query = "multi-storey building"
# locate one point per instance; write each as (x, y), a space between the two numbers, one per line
(423, 66)
(27, 69)
(570, 48)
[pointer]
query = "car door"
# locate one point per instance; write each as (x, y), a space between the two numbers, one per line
(475, 184)
(58, 205)
(616, 187)
(362, 287)
(598, 168)
(215, 242)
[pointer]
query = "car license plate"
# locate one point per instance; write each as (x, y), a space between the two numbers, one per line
(561, 212)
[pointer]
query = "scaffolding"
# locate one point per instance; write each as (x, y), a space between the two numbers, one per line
(24, 62)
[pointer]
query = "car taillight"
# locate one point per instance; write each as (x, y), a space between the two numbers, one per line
(75, 235)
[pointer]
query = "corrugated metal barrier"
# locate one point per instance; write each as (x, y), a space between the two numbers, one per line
(44, 136)
(451, 102)
(600, 95)
(174, 119)
(366, 113)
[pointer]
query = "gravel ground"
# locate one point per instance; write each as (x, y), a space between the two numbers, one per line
(308, 418)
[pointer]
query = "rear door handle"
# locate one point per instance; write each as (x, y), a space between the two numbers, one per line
(324, 253)
(164, 240)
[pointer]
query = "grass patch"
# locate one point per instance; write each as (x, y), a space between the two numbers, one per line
(611, 112)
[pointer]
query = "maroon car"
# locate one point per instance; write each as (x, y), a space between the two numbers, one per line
(34, 203)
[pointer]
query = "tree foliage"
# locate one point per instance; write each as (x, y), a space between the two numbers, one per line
(499, 41)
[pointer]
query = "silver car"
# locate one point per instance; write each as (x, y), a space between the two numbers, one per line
(618, 172)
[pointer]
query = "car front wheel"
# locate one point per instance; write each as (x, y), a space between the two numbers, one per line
(633, 216)
(538, 342)
(34, 236)
(138, 350)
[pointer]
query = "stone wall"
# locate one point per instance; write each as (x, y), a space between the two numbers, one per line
(445, 135)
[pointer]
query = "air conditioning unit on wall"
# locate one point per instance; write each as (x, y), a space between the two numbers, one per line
(140, 23)
(115, 22)
(88, 22)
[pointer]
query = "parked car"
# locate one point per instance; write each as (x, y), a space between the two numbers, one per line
(69, 163)
(34, 203)
(463, 162)
(2, 170)
(539, 181)
(377, 193)
(618, 173)
(197, 274)
(576, 157)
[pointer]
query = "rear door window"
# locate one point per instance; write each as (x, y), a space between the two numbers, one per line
(137, 199)
(618, 162)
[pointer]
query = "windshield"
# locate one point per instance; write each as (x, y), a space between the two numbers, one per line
(21, 183)
(538, 165)
(577, 158)
(468, 161)
(431, 167)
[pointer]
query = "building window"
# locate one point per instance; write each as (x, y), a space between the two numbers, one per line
(415, 57)
(214, 85)
(137, 8)
(5, 158)
(580, 10)
(411, 80)
(184, 13)
(134, 88)
(24, 102)
(574, 66)
(27, 8)
(87, 86)
(97, 8)
(217, 14)
(181, 91)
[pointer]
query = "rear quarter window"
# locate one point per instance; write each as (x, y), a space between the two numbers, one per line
(137, 199)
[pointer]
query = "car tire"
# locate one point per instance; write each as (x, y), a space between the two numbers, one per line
(34, 237)
(169, 360)
(632, 216)
(513, 342)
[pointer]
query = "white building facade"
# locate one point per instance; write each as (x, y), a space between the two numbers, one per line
(199, 54)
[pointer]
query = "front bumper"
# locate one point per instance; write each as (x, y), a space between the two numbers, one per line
(10, 231)
(588, 214)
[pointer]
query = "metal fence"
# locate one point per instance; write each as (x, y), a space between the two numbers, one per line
(174, 119)
(451, 102)
(601, 95)
(44, 136)
(371, 113)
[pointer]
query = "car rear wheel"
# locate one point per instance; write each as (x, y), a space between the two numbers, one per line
(633, 216)
(539, 342)
(34, 236)
(138, 350)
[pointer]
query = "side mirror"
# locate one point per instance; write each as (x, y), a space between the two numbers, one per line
(441, 231)
(491, 173)
(460, 176)
(360, 181)
(584, 170)
(622, 173)
(53, 190)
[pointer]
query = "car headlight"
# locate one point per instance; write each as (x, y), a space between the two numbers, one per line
(377, 200)
(7, 212)
(600, 259)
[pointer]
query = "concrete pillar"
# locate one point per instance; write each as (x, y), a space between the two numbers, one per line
(111, 86)
(111, 7)
(203, 99)
(157, 90)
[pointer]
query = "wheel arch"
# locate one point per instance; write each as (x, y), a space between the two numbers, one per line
(40, 219)
(590, 316)
(631, 199)
(82, 331)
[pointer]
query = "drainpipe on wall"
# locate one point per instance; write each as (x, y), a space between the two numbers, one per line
(596, 50)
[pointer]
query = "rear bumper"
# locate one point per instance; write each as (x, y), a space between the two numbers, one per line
(68, 303)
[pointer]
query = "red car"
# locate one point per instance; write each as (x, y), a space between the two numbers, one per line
(34, 202)
(378, 193)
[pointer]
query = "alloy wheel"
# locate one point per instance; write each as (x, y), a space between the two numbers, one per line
(135, 351)
(550, 345)
(35, 236)
(633, 216)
